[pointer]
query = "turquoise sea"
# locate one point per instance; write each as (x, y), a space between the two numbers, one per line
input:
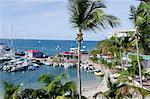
(50, 47)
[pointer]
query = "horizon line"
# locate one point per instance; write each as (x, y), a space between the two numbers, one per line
(46, 39)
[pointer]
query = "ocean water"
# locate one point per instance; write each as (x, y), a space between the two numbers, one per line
(49, 47)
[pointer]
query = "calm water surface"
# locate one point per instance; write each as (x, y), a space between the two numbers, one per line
(50, 47)
(29, 78)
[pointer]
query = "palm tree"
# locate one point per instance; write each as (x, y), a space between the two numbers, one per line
(125, 45)
(140, 16)
(138, 59)
(53, 88)
(11, 90)
(113, 92)
(88, 15)
(119, 90)
(56, 88)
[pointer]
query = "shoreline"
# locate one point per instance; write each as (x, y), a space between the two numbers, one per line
(89, 92)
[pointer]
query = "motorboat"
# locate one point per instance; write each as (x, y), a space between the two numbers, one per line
(98, 73)
(18, 68)
(36, 65)
(4, 59)
(47, 63)
(31, 68)
(16, 65)
(115, 75)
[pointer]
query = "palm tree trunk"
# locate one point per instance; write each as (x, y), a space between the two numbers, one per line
(138, 59)
(139, 65)
(79, 74)
(79, 39)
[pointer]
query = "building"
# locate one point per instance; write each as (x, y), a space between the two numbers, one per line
(85, 57)
(68, 56)
(119, 33)
(72, 57)
(34, 54)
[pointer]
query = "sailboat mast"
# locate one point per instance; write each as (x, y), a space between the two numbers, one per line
(3, 32)
(11, 38)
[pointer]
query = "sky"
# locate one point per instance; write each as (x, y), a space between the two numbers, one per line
(49, 19)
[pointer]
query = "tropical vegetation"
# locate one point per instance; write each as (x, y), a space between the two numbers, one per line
(140, 17)
(87, 15)
(120, 90)
(53, 88)
(10, 90)
(130, 46)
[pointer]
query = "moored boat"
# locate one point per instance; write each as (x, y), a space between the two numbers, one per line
(31, 68)
(47, 63)
(98, 73)
(18, 68)
(16, 65)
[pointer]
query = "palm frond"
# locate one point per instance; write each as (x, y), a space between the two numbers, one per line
(69, 87)
(141, 91)
(89, 15)
(45, 78)
(11, 90)
(101, 95)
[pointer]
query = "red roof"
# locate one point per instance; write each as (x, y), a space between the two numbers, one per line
(66, 53)
(33, 51)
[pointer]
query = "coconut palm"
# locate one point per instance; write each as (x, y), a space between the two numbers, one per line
(141, 19)
(10, 90)
(138, 59)
(140, 16)
(53, 88)
(56, 88)
(143, 12)
(113, 92)
(88, 15)
(119, 90)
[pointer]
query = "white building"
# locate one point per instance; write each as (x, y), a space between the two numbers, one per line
(119, 33)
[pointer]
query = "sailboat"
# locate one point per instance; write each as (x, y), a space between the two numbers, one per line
(6, 53)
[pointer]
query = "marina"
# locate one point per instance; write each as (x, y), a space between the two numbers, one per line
(74, 49)
(29, 78)
(28, 69)
(12, 61)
